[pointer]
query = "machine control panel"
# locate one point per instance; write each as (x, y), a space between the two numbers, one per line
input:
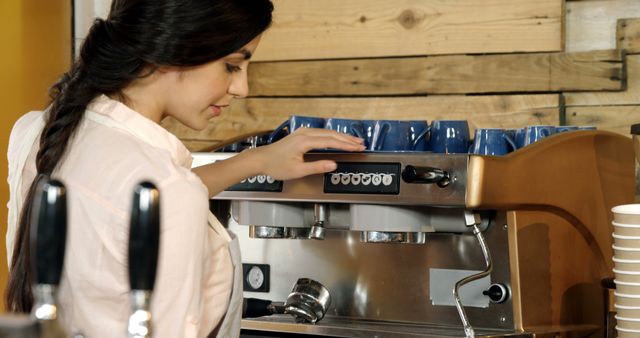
(258, 183)
(363, 178)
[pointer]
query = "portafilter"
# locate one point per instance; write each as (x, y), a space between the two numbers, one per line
(308, 302)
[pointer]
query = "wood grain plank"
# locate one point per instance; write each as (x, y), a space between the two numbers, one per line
(627, 97)
(591, 25)
(255, 114)
(628, 35)
(311, 29)
(613, 118)
(459, 74)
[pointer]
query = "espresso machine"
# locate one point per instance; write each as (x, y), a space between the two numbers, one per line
(418, 244)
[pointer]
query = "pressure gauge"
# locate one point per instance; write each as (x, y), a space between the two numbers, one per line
(255, 277)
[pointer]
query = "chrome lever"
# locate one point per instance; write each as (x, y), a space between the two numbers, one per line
(472, 220)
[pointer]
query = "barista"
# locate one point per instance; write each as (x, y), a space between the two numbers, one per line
(101, 136)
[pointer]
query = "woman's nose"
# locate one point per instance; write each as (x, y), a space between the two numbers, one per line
(239, 86)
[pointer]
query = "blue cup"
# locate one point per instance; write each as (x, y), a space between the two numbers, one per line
(346, 126)
(564, 129)
(294, 122)
(534, 134)
(496, 142)
(394, 135)
(448, 137)
(519, 137)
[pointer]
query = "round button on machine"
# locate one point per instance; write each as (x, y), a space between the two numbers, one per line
(251, 179)
(387, 179)
(366, 179)
(335, 179)
(376, 179)
(355, 179)
(345, 179)
(270, 180)
(262, 179)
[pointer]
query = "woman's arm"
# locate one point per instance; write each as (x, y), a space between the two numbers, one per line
(282, 160)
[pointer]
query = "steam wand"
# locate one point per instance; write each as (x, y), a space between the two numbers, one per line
(472, 220)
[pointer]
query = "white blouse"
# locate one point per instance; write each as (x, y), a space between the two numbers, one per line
(114, 149)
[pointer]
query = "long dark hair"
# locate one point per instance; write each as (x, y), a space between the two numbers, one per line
(137, 36)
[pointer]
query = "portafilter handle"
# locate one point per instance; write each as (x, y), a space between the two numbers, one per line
(144, 242)
(254, 308)
(47, 235)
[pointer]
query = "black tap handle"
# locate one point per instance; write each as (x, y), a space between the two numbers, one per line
(48, 231)
(144, 237)
(425, 175)
(253, 308)
(635, 129)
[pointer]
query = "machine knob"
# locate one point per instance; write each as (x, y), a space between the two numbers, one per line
(498, 293)
(425, 175)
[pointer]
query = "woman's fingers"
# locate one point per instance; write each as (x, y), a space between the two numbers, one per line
(329, 133)
(322, 142)
(316, 167)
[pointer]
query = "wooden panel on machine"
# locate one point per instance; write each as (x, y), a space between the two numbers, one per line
(310, 29)
(458, 74)
(257, 114)
(579, 176)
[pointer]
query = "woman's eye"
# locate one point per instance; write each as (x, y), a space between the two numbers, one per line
(232, 68)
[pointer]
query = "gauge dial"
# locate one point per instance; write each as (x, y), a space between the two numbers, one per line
(255, 277)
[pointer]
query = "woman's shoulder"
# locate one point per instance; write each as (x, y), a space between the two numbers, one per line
(26, 128)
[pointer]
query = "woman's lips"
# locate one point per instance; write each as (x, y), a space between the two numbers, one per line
(216, 110)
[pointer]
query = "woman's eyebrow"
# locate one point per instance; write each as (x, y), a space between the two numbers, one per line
(245, 53)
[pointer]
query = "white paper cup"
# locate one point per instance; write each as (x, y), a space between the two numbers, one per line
(626, 241)
(627, 213)
(626, 333)
(624, 229)
(627, 287)
(626, 264)
(627, 276)
(627, 299)
(626, 253)
(628, 311)
(625, 323)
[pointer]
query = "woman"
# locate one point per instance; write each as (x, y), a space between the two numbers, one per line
(100, 136)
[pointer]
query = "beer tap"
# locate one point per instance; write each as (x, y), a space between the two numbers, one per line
(144, 241)
(48, 229)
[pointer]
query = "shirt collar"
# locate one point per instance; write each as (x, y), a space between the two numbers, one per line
(142, 128)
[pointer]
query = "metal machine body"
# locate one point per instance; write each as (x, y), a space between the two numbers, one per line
(543, 211)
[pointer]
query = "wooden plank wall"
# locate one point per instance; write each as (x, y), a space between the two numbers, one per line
(507, 64)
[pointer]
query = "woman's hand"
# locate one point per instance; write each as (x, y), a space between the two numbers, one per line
(284, 160)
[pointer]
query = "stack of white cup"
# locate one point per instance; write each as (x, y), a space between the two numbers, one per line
(626, 262)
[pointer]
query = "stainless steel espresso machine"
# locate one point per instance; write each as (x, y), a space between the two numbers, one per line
(435, 245)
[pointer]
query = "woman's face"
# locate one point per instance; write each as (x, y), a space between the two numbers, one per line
(198, 94)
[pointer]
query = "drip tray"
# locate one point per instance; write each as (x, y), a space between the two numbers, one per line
(336, 327)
